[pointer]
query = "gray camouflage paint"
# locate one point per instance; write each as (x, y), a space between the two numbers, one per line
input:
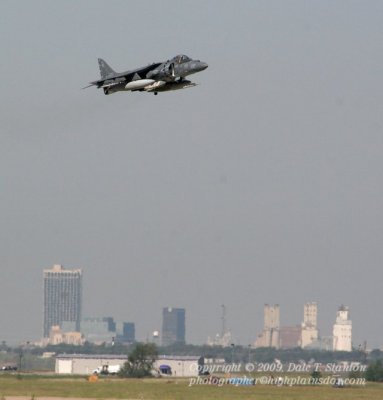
(172, 72)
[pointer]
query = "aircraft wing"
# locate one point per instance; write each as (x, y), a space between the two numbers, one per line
(140, 72)
(128, 76)
(110, 84)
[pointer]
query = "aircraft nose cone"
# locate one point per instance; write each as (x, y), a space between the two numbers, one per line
(202, 66)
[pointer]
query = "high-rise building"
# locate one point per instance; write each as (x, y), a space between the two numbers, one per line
(62, 297)
(342, 330)
(310, 313)
(271, 326)
(309, 324)
(173, 325)
(126, 332)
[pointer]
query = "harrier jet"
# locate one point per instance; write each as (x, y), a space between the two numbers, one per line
(156, 77)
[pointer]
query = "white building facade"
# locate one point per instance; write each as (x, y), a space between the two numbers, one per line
(271, 326)
(177, 366)
(309, 332)
(85, 364)
(342, 330)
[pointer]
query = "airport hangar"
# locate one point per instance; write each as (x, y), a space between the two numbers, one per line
(85, 364)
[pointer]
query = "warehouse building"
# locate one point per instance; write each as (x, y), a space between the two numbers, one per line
(85, 364)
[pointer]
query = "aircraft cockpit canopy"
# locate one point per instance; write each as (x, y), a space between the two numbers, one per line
(181, 58)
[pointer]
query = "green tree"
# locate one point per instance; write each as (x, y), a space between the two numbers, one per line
(140, 361)
(315, 377)
(374, 371)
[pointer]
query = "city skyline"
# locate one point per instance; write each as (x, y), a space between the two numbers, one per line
(62, 315)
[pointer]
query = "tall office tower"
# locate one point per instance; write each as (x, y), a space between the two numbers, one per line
(342, 330)
(126, 332)
(309, 324)
(173, 325)
(271, 326)
(271, 316)
(62, 297)
(310, 312)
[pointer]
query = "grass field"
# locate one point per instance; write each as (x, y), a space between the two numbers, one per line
(40, 386)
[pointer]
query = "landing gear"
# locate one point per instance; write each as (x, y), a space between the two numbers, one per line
(155, 93)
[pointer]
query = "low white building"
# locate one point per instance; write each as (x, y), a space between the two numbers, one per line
(342, 331)
(85, 364)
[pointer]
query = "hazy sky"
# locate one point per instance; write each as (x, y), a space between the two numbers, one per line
(263, 184)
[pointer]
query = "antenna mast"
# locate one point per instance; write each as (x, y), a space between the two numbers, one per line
(223, 319)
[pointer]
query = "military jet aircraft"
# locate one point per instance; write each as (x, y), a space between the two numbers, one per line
(156, 77)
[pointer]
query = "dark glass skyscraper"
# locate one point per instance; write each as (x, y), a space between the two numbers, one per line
(173, 325)
(62, 297)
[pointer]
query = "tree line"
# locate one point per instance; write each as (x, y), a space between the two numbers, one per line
(142, 355)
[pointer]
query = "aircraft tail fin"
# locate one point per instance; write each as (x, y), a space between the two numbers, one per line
(105, 69)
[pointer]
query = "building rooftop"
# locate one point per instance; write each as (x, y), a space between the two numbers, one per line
(123, 357)
(94, 356)
(180, 358)
(59, 268)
